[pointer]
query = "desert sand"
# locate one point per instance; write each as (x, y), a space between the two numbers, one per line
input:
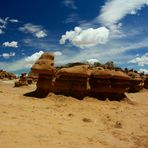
(65, 122)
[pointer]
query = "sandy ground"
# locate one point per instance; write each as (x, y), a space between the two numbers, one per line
(65, 122)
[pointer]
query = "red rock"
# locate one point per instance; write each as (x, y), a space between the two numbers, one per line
(108, 83)
(72, 81)
(7, 75)
(45, 70)
(45, 65)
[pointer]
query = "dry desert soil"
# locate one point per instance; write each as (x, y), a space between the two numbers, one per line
(65, 122)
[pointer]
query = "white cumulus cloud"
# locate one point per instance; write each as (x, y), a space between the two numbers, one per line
(92, 61)
(11, 44)
(142, 61)
(35, 30)
(115, 10)
(31, 59)
(40, 34)
(86, 38)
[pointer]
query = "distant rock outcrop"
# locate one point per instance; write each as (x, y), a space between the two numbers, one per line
(107, 83)
(7, 75)
(136, 82)
(72, 81)
(22, 80)
(44, 67)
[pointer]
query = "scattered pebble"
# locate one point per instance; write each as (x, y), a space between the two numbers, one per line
(118, 124)
(86, 120)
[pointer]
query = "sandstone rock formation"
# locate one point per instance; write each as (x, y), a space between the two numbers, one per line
(22, 81)
(7, 75)
(107, 83)
(44, 67)
(136, 82)
(72, 81)
(84, 80)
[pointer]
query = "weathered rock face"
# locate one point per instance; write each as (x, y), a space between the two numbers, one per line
(146, 82)
(7, 75)
(136, 82)
(44, 67)
(108, 83)
(72, 81)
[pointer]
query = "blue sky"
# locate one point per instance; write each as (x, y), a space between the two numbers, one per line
(74, 30)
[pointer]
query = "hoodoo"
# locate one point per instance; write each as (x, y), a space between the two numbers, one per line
(44, 67)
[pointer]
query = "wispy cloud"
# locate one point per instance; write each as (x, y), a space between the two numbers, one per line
(1, 31)
(14, 20)
(4, 23)
(36, 30)
(142, 61)
(7, 55)
(57, 53)
(115, 10)
(72, 18)
(70, 4)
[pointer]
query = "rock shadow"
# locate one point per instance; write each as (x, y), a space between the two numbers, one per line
(37, 94)
(109, 96)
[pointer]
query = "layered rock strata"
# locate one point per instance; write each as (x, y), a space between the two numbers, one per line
(107, 83)
(72, 81)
